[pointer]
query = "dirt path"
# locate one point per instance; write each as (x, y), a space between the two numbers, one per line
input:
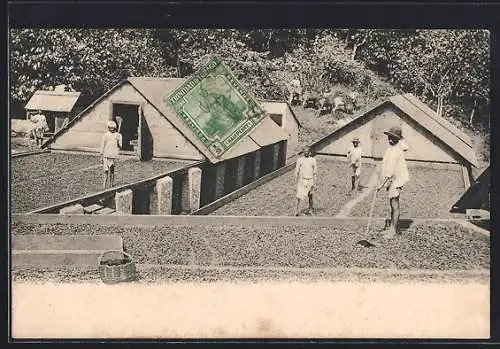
(369, 187)
(272, 309)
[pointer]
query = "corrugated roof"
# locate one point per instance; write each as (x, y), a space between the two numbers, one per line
(57, 101)
(436, 125)
(455, 139)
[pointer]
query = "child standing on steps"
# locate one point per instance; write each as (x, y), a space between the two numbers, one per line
(110, 148)
(354, 154)
(394, 175)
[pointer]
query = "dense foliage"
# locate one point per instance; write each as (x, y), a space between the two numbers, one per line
(449, 69)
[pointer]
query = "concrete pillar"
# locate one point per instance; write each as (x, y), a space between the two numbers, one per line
(258, 158)
(220, 173)
(194, 175)
(123, 201)
(191, 190)
(73, 209)
(164, 194)
(276, 155)
(240, 172)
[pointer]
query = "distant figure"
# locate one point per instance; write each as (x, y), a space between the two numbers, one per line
(40, 128)
(354, 154)
(295, 92)
(110, 149)
(306, 171)
(394, 175)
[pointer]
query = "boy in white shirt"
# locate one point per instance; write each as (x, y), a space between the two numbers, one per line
(354, 154)
(394, 175)
(306, 171)
(110, 149)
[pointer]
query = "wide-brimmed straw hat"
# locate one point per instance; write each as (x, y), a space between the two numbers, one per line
(355, 140)
(111, 124)
(395, 132)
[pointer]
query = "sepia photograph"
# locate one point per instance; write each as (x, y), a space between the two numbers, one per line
(170, 183)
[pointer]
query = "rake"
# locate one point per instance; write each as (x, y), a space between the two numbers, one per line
(365, 242)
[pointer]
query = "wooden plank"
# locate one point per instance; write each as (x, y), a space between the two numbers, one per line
(466, 177)
(200, 220)
(27, 153)
(92, 208)
(105, 211)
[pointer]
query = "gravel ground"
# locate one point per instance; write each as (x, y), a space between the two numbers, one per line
(429, 194)
(33, 167)
(432, 246)
(159, 273)
(51, 177)
(277, 197)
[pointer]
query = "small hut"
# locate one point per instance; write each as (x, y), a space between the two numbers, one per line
(58, 106)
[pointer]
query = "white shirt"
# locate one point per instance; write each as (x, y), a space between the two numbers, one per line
(354, 155)
(306, 168)
(110, 145)
(394, 165)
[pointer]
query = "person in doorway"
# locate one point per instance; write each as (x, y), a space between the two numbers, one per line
(110, 148)
(394, 175)
(306, 171)
(40, 128)
(354, 154)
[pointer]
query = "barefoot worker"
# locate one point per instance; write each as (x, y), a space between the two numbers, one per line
(354, 154)
(110, 148)
(394, 175)
(306, 171)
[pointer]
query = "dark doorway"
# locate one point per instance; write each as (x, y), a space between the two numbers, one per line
(230, 175)
(146, 141)
(129, 129)
(208, 176)
(141, 199)
(249, 172)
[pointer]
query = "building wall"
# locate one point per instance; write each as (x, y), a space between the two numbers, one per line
(86, 134)
(423, 146)
(290, 125)
(168, 142)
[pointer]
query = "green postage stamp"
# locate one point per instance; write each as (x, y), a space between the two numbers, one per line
(216, 107)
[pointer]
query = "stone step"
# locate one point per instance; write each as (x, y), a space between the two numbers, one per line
(92, 208)
(61, 250)
(104, 211)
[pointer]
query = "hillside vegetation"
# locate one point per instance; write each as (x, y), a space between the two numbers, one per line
(447, 69)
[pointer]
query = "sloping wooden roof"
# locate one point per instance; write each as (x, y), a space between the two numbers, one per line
(449, 134)
(477, 196)
(287, 105)
(437, 125)
(155, 90)
(58, 101)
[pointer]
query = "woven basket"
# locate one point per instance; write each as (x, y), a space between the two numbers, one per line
(112, 274)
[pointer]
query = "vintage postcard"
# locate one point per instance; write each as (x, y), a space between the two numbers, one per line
(324, 183)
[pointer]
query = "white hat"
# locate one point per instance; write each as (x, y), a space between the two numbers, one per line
(111, 124)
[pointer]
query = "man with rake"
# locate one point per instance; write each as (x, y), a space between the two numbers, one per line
(394, 175)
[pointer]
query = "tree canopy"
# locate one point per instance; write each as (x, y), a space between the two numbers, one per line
(449, 69)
